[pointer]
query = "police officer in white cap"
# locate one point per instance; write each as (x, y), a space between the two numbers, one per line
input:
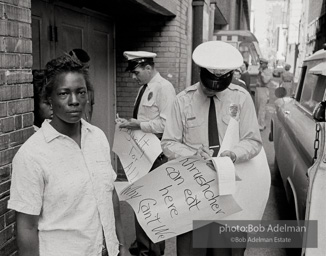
(152, 105)
(200, 116)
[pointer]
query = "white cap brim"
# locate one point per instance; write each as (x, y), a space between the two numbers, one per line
(217, 55)
(131, 55)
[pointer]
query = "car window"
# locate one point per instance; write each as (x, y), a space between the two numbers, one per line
(313, 89)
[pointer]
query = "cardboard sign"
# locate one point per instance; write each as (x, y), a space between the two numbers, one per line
(137, 151)
(168, 199)
(225, 174)
(253, 191)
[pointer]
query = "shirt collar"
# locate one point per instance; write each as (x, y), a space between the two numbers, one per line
(205, 97)
(50, 133)
(154, 79)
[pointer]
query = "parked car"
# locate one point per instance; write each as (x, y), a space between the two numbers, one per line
(294, 131)
(316, 206)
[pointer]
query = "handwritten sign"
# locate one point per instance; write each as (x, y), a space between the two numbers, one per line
(225, 174)
(253, 191)
(168, 199)
(137, 151)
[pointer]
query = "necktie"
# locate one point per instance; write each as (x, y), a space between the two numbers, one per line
(213, 139)
(135, 114)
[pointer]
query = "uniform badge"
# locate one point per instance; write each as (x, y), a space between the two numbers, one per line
(234, 110)
(150, 95)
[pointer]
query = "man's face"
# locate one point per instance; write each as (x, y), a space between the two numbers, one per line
(236, 74)
(142, 74)
(208, 92)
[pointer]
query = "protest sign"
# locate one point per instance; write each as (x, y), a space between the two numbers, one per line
(137, 151)
(168, 199)
(225, 175)
(253, 190)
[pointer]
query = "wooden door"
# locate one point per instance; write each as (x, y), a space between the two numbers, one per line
(102, 75)
(58, 29)
(43, 41)
(70, 30)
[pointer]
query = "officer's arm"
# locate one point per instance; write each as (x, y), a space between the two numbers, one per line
(164, 101)
(172, 141)
(250, 140)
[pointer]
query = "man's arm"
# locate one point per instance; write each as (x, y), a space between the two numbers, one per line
(250, 140)
(172, 141)
(27, 234)
(164, 101)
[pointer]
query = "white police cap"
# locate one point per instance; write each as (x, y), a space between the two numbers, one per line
(131, 55)
(137, 57)
(217, 56)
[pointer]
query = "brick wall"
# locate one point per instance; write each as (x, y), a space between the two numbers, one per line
(166, 36)
(16, 103)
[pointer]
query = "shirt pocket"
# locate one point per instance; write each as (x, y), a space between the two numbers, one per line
(194, 133)
(226, 119)
(149, 105)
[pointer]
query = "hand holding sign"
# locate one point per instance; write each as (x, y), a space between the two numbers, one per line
(137, 151)
(168, 199)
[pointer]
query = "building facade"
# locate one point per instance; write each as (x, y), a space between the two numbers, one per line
(32, 32)
(316, 26)
(311, 31)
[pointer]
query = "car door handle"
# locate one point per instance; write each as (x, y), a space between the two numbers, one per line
(287, 112)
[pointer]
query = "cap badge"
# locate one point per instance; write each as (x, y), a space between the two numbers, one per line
(150, 95)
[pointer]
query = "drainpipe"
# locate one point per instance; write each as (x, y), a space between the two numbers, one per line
(202, 30)
(233, 15)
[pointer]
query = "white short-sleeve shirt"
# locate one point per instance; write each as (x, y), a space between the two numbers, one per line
(155, 104)
(70, 188)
